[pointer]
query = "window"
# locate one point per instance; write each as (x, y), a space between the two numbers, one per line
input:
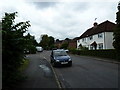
(91, 37)
(60, 53)
(100, 46)
(79, 40)
(84, 39)
(100, 35)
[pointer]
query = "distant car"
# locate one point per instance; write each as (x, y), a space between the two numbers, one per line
(67, 50)
(60, 57)
(39, 49)
(63, 49)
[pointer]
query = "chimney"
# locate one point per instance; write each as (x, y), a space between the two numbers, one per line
(95, 24)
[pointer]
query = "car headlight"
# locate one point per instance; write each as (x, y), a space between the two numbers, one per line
(57, 60)
(70, 59)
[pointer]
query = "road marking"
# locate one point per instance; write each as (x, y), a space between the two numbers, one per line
(58, 82)
(56, 78)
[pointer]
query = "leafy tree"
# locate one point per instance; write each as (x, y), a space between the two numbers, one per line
(47, 42)
(30, 44)
(67, 39)
(51, 42)
(44, 42)
(57, 40)
(13, 44)
(116, 42)
(64, 45)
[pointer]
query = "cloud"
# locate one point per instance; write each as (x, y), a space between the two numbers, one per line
(60, 19)
(43, 5)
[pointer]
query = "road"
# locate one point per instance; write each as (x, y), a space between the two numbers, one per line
(39, 74)
(86, 72)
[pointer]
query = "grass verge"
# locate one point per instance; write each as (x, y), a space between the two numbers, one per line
(24, 65)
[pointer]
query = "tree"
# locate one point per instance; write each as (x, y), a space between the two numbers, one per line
(64, 45)
(51, 42)
(47, 42)
(116, 34)
(13, 44)
(44, 42)
(67, 39)
(57, 40)
(30, 44)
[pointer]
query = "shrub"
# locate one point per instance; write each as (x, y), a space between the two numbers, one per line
(97, 53)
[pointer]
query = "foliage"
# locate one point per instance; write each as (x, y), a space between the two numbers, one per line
(24, 64)
(13, 43)
(57, 40)
(51, 42)
(67, 39)
(116, 42)
(47, 42)
(30, 44)
(97, 53)
(44, 42)
(82, 47)
(64, 45)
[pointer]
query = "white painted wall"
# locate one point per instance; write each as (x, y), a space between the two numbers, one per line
(109, 40)
(106, 40)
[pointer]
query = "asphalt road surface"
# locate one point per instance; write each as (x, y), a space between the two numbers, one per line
(86, 72)
(39, 74)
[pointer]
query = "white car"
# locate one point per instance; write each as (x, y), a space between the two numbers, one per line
(39, 49)
(67, 50)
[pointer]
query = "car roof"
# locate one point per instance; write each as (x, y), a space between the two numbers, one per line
(59, 50)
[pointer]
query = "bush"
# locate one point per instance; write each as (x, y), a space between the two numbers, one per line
(13, 43)
(97, 53)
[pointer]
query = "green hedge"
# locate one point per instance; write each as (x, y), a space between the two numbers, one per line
(97, 53)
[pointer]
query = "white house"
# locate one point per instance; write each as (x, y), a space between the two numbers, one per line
(100, 36)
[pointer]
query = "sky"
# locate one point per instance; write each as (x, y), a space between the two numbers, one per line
(60, 18)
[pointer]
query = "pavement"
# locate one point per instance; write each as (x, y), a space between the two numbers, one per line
(39, 74)
(100, 59)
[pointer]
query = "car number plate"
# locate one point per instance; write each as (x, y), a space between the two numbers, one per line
(64, 62)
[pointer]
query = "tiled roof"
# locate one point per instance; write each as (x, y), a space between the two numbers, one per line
(106, 26)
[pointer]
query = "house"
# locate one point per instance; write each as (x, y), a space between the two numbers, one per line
(73, 43)
(100, 36)
(58, 43)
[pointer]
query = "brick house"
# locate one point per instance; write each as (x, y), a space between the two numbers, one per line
(72, 43)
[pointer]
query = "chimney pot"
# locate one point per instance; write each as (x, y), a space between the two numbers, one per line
(95, 24)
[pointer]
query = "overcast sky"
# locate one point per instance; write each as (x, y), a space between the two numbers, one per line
(60, 19)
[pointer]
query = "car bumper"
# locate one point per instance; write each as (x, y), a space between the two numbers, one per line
(63, 63)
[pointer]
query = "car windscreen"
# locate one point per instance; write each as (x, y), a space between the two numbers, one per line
(60, 53)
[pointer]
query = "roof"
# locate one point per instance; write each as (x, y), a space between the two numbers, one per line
(58, 50)
(106, 26)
